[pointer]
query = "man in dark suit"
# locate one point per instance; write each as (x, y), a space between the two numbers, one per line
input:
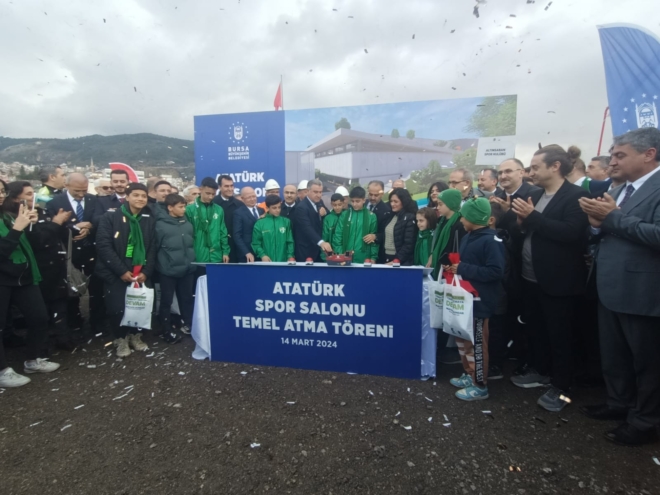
(229, 205)
(375, 189)
(511, 173)
(289, 203)
(119, 180)
(83, 206)
(307, 224)
(488, 179)
(627, 223)
(245, 217)
(551, 235)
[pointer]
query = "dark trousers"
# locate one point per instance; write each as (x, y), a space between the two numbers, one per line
(586, 355)
(29, 301)
(96, 304)
(115, 303)
(183, 287)
(550, 334)
(58, 322)
(498, 338)
(629, 347)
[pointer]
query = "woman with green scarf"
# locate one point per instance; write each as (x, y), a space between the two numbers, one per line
(126, 253)
(449, 231)
(19, 285)
(426, 222)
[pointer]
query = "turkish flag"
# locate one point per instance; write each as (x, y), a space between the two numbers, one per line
(278, 98)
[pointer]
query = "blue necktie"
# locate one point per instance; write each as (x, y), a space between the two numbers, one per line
(79, 210)
(629, 190)
(254, 212)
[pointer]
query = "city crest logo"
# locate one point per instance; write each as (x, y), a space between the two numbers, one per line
(646, 112)
(238, 134)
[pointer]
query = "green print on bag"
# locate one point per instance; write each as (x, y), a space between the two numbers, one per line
(439, 297)
(454, 302)
(135, 301)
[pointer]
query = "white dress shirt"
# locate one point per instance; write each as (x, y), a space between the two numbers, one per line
(637, 184)
(74, 204)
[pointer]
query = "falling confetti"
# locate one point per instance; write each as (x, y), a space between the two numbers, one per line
(413, 36)
(452, 31)
(547, 6)
(509, 27)
(135, 89)
(365, 51)
(475, 12)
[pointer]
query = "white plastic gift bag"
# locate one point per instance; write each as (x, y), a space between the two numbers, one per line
(138, 306)
(436, 300)
(458, 311)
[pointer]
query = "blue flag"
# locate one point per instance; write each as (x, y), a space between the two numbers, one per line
(632, 72)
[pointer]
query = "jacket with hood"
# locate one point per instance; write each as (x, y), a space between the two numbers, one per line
(176, 246)
(272, 237)
(208, 221)
(483, 264)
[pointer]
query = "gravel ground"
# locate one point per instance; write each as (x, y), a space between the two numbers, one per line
(160, 423)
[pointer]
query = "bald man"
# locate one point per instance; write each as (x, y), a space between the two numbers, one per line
(399, 183)
(245, 217)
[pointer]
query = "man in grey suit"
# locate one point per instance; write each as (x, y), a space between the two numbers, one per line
(627, 221)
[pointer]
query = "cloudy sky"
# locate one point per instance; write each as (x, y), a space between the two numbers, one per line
(75, 67)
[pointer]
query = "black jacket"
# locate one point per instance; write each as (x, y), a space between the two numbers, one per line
(405, 236)
(381, 210)
(559, 240)
(307, 228)
(482, 264)
(229, 207)
(175, 245)
(104, 204)
(243, 226)
(44, 240)
(598, 188)
(84, 251)
(287, 211)
(112, 241)
(48, 241)
(508, 221)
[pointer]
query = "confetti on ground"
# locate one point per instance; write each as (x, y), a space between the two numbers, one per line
(514, 468)
(408, 428)
(446, 418)
(430, 419)
(98, 334)
(106, 345)
(397, 414)
(243, 372)
(255, 445)
(564, 420)
(655, 459)
(80, 406)
(428, 399)
(446, 425)
(150, 355)
(91, 366)
(486, 412)
(183, 373)
(291, 403)
(370, 392)
(65, 427)
(35, 424)
(120, 397)
(540, 420)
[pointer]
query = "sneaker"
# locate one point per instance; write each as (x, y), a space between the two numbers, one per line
(473, 392)
(171, 337)
(185, 329)
(135, 341)
(464, 381)
(530, 378)
(40, 366)
(10, 379)
(450, 355)
(123, 350)
(495, 372)
(521, 369)
(553, 400)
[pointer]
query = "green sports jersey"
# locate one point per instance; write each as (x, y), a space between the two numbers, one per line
(272, 237)
(351, 229)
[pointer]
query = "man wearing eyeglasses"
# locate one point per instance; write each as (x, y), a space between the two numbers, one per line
(461, 179)
(103, 187)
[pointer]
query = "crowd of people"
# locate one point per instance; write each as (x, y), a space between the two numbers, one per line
(562, 255)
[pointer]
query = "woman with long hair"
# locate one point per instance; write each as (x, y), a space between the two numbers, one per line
(398, 233)
(435, 189)
(19, 282)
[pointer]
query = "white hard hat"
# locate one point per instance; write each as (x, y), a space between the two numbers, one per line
(302, 185)
(341, 190)
(271, 184)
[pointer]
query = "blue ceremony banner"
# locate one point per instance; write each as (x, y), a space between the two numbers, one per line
(632, 72)
(351, 319)
(247, 146)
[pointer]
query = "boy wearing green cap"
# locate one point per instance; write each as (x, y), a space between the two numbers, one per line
(482, 262)
(272, 239)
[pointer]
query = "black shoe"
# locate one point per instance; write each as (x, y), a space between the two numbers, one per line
(449, 355)
(521, 369)
(626, 434)
(604, 412)
(495, 372)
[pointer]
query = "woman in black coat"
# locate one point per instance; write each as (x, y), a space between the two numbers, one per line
(398, 233)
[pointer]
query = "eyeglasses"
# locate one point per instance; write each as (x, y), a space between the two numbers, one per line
(107, 188)
(455, 182)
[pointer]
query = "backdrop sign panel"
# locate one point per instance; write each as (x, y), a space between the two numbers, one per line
(492, 151)
(320, 318)
(247, 146)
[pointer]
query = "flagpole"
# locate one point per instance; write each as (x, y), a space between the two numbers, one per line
(282, 92)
